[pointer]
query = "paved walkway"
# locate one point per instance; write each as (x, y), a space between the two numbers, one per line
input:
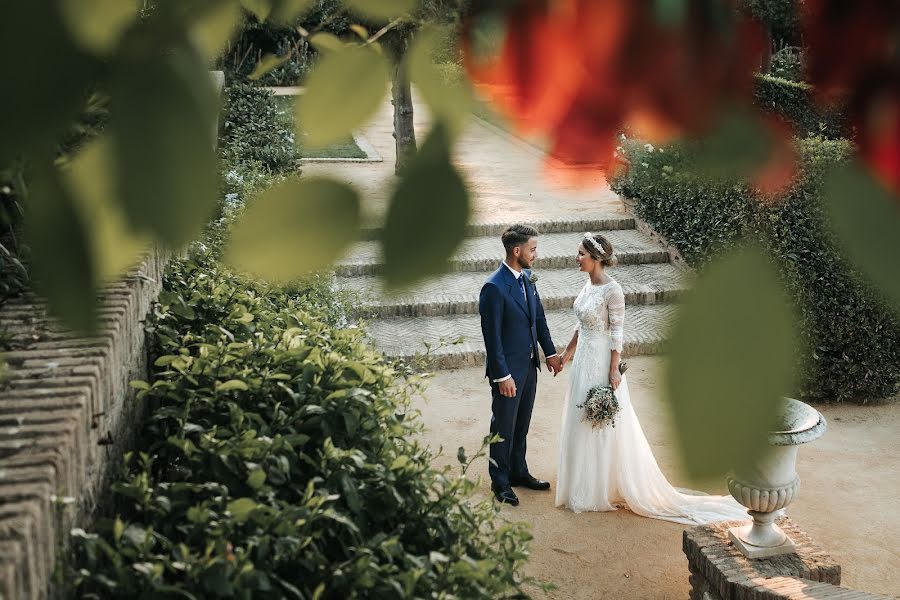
(597, 555)
(509, 183)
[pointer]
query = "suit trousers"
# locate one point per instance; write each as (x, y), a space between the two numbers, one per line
(510, 419)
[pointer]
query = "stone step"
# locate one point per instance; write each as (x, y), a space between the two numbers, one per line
(555, 250)
(457, 293)
(646, 328)
(574, 224)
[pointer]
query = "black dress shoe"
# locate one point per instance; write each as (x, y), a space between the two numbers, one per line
(529, 482)
(505, 495)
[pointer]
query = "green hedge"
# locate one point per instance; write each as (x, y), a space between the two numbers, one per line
(851, 339)
(254, 129)
(281, 458)
(793, 101)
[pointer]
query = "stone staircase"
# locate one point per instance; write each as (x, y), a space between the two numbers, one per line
(444, 309)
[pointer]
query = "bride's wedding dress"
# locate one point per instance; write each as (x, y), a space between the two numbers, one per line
(603, 469)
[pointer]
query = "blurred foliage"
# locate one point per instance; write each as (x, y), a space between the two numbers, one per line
(850, 337)
(728, 404)
(154, 164)
(282, 457)
(780, 17)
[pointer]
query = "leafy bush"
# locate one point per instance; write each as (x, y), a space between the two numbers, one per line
(793, 101)
(281, 458)
(787, 63)
(780, 18)
(851, 339)
(254, 129)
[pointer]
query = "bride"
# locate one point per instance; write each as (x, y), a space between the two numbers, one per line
(604, 469)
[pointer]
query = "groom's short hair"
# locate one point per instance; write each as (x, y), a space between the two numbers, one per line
(516, 235)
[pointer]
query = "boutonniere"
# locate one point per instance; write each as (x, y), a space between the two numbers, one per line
(533, 278)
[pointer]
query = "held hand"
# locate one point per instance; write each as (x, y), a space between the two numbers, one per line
(615, 378)
(507, 388)
(555, 365)
(565, 357)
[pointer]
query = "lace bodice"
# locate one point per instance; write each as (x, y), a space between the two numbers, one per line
(600, 310)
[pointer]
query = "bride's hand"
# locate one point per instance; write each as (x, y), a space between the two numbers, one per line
(615, 378)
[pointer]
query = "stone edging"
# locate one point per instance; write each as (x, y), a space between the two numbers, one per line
(67, 414)
(641, 225)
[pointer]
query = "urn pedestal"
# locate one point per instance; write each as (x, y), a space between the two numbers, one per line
(771, 483)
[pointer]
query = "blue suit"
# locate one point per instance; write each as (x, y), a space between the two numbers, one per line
(513, 328)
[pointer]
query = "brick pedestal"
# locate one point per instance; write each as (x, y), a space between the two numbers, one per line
(720, 572)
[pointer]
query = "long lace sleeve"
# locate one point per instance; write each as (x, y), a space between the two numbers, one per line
(615, 302)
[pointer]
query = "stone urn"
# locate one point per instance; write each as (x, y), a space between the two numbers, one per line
(771, 483)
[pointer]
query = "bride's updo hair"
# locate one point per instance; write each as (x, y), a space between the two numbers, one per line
(599, 248)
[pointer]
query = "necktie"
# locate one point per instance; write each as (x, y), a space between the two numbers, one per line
(522, 285)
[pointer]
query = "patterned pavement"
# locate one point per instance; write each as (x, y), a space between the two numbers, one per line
(645, 333)
(457, 293)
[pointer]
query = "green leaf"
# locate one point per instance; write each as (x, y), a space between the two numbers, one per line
(163, 111)
(324, 41)
(428, 214)
(287, 11)
(343, 92)
(61, 259)
(90, 178)
(256, 479)
(461, 455)
(241, 508)
(295, 227)
(118, 529)
(34, 117)
(232, 384)
(163, 361)
(258, 8)
(139, 385)
(381, 9)
(866, 218)
(399, 462)
(214, 25)
(730, 363)
(266, 64)
(448, 101)
(98, 24)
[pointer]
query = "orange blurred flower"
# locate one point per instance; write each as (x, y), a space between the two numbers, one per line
(582, 70)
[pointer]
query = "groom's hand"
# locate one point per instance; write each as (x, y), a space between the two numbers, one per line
(554, 364)
(507, 388)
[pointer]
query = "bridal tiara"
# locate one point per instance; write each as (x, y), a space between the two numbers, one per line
(590, 237)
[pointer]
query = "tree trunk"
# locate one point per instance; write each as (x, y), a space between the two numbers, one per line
(404, 131)
(766, 65)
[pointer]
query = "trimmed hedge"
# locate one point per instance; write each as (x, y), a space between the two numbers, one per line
(255, 130)
(793, 101)
(281, 458)
(851, 339)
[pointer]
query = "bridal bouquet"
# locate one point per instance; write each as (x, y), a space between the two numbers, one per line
(601, 405)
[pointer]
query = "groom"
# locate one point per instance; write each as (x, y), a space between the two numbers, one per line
(514, 325)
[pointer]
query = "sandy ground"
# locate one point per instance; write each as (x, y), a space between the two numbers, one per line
(847, 503)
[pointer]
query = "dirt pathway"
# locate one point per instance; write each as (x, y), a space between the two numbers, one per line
(847, 502)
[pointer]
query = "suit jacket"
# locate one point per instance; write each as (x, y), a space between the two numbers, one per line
(512, 328)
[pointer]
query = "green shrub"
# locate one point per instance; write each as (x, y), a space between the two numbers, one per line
(793, 101)
(779, 17)
(281, 458)
(255, 130)
(787, 63)
(850, 337)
